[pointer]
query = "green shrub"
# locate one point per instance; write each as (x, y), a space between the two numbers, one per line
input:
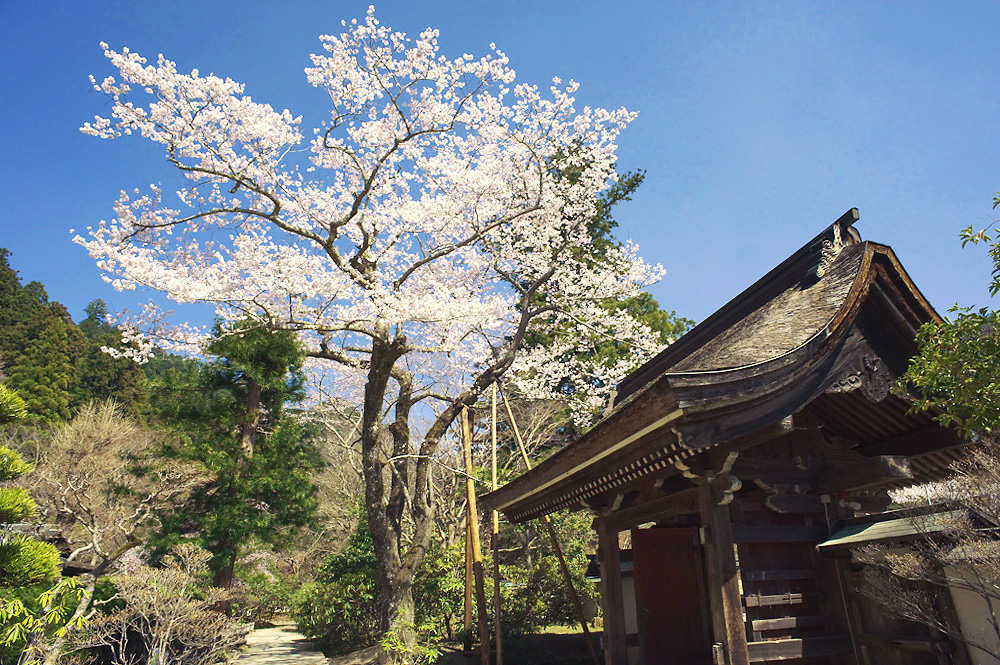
(12, 407)
(340, 614)
(11, 464)
(41, 608)
(25, 561)
(261, 596)
(16, 505)
(339, 611)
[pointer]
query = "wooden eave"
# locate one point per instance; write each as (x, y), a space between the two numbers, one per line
(664, 416)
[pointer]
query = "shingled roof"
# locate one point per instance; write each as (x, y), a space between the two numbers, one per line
(779, 312)
(830, 327)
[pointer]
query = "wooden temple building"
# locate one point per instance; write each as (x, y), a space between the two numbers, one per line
(730, 456)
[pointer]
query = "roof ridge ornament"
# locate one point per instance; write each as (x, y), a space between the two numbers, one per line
(869, 374)
(843, 235)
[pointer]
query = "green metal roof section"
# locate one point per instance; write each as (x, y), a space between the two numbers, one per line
(901, 528)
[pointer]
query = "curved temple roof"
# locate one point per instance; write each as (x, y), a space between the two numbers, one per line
(835, 320)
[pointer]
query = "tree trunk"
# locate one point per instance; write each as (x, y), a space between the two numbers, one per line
(224, 576)
(399, 622)
(248, 431)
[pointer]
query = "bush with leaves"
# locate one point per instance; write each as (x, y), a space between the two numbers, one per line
(101, 478)
(262, 589)
(167, 614)
(958, 370)
(28, 567)
(38, 614)
(12, 407)
(24, 561)
(533, 589)
(339, 611)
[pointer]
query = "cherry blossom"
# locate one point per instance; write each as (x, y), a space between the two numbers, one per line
(413, 238)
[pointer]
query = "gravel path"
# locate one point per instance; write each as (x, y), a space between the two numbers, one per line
(280, 645)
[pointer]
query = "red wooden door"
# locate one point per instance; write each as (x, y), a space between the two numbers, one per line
(671, 605)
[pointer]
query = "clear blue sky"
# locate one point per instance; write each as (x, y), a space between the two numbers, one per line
(759, 122)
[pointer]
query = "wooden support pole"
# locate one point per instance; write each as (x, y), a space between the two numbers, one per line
(495, 535)
(722, 575)
(612, 600)
(467, 616)
(477, 553)
(554, 538)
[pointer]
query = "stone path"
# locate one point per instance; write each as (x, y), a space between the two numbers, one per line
(280, 645)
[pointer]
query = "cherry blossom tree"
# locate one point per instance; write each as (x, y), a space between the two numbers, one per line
(413, 239)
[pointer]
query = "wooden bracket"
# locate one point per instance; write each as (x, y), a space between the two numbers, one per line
(868, 472)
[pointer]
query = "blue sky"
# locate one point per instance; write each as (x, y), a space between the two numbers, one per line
(759, 123)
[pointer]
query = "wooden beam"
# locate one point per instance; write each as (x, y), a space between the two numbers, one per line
(467, 608)
(779, 534)
(788, 623)
(791, 649)
(771, 575)
(907, 643)
(681, 503)
(611, 593)
(495, 534)
(783, 599)
(869, 472)
(554, 539)
(648, 415)
(931, 439)
(795, 503)
(722, 576)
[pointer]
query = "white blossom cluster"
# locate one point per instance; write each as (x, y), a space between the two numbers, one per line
(440, 203)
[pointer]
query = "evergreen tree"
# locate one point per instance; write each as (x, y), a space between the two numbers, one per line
(39, 344)
(44, 372)
(231, 416)
(99, 375)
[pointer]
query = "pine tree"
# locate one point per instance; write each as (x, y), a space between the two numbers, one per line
(231, 416)
(23, 560)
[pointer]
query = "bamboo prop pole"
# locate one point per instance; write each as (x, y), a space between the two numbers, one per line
(467, 617)
(577, 605)
(477, 553)
(495, 536)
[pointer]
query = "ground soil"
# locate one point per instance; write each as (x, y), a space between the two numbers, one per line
(283, 645)
(279, 645)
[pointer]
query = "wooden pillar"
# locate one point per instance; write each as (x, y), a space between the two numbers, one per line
(611, 593)
(722, 576)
